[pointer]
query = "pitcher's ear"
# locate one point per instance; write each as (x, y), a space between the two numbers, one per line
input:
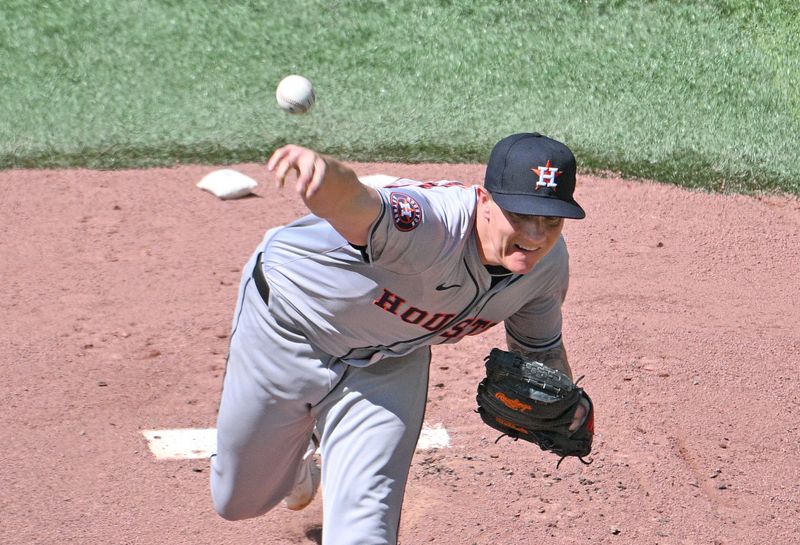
(484, 201)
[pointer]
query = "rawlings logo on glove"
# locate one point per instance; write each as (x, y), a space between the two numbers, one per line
(525, 399)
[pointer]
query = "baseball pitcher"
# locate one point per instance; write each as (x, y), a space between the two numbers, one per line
(337, 312)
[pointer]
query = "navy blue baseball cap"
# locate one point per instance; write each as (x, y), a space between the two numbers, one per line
(531, 174)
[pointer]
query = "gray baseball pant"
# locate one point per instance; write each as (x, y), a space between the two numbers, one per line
(278, 390)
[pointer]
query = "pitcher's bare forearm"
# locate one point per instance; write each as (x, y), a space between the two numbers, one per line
(555, 358)
(329, 189)
(348, 205)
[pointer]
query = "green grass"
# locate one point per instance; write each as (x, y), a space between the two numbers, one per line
(703, 96)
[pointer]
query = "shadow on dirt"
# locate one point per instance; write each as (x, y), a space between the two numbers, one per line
(314, 533)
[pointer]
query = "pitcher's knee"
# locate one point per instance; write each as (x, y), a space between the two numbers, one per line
(233, 502)
(227, 512)
(233, 509)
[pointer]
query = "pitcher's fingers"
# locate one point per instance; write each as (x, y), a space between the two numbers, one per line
(305, 164)
(279, 163)
(320, 167)
(292, 159)
(579, 416)
(277, 155)
(281, 168)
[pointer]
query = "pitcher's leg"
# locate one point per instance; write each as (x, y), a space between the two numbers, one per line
(369, 430)
(259, 448)
(272, 380)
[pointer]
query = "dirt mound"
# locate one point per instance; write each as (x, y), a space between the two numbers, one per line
(117, 294)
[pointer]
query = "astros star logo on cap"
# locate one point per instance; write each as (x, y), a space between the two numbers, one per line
(547, 176)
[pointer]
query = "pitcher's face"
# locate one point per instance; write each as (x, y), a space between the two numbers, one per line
(516, 241)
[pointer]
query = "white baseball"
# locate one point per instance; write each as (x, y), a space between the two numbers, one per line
(295, 94)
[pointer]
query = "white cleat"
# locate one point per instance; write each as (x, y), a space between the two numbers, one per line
(307, 481)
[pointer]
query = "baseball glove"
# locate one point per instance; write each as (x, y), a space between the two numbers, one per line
(525, 399)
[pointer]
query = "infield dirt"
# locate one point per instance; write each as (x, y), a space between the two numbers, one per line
(683, 314)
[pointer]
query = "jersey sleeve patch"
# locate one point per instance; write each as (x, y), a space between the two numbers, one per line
(406, 212)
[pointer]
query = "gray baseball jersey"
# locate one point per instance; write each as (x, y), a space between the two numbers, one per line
(306, 361)
(418, 282)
